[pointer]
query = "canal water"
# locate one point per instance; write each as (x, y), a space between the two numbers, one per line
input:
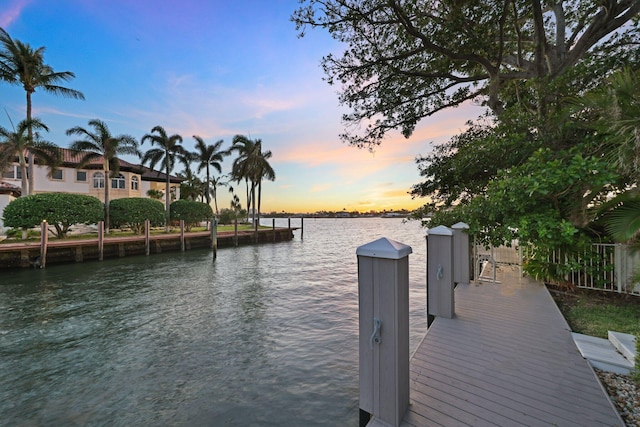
(263, 335)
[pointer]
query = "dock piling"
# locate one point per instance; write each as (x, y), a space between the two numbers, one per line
(461, 254)
(147, 246)
(100, 240)
(383, 301)
(182, 235)
(214, 238)
(440, 273)
(44, 241)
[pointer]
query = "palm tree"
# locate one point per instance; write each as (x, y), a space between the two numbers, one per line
(17, 143)
(20, 64)
(262, 170)
(192, 188)
(169, 150)
(618, 104)
(209, 156)
(215, 183)
(252, 165)
(240, 169)
(102, 145)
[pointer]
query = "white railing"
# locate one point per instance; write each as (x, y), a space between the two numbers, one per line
(606, 266)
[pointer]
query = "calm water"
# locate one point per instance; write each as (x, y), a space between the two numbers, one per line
(265, 335)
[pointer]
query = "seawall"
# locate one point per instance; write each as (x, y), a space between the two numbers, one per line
(24, 255)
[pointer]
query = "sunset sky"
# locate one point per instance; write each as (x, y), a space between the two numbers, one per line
(218, 68)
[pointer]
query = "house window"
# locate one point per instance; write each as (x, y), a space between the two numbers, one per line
(57, 175)
(81, 176)
(134, 183)
(118, 182)
(18, 172)
(98, 180)
(9, 173)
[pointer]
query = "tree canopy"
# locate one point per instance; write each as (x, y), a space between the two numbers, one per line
(20, 64)
(406, 60)
(60, 210)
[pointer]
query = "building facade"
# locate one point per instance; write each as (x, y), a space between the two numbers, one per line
(131, 181)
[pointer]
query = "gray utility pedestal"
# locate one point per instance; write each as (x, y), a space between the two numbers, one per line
(383, 294)
(461, 254)
(440, 272)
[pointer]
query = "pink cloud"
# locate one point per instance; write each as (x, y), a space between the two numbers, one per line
(12, 12)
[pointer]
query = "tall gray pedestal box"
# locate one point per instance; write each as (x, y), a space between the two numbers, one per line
(440, 272)
(383, 296)
(461, 254)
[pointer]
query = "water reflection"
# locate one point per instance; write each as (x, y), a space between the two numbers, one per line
(265, 335)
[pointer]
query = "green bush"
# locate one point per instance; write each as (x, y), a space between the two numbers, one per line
(228, 216)
(191, 212)
(60, 210)
(134, 211)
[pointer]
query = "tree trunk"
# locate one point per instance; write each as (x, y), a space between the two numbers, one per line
(23, 172)
(30, 142)
(259, 200)
(253, 202)
(215, 201)
(167, 196)
(107, 184)
(246, 183)
(207, 196)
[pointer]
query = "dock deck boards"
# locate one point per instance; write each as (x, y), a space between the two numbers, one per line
(506, 359)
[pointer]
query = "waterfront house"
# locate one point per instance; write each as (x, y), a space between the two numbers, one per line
(132, 180)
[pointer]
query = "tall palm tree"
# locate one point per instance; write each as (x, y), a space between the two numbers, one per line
(169, 150)
(240, 169)
(214, 184)
(20, 64)
(252, 165)
(101, 144)
(17, 143)
(262, 170)
(209, 156)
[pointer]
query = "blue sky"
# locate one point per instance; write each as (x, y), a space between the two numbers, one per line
(215, 69)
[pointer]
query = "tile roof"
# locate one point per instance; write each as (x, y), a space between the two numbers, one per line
(71, 158)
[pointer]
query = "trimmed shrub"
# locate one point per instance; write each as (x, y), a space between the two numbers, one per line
(191, 212)
(61, 210)
(132, 212)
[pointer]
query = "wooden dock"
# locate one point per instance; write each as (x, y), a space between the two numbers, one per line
(506, 359)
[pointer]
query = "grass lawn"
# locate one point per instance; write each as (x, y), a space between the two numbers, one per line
(595, 312)
(34, 236)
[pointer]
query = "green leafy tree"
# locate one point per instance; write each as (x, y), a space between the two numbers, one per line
(155, 194)
(227, 216)
(20, 64)
(102, 145)
(191, 212)
(168, 151)
(60, 210)
(406, 60)
(132, 212)
(17, 142)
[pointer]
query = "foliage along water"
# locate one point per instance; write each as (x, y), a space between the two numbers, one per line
(264, 335)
